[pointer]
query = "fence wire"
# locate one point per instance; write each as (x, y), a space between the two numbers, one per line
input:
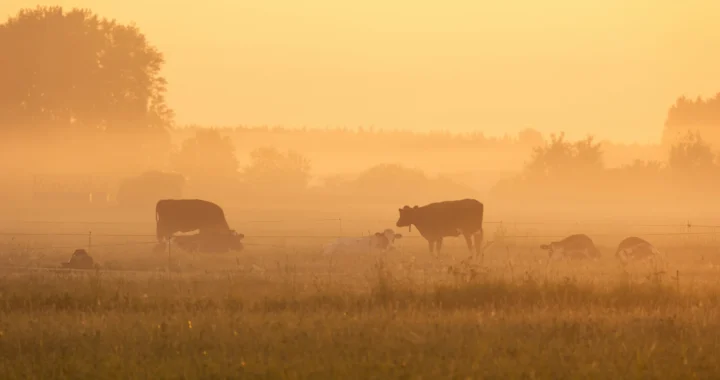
(688, 227)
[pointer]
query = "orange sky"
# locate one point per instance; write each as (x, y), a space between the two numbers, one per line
(607, 67)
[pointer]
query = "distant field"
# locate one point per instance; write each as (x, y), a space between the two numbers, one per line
(282, 310)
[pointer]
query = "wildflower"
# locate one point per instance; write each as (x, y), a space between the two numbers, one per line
(205, 353)
(189, 324)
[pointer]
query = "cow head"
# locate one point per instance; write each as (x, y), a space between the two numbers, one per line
(236, 240)
(385, 239)
(551, 248)
(407, 217)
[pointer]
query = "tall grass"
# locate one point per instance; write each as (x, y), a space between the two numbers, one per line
(359, 318)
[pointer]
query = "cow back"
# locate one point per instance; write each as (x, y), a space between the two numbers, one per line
(185, 215)
(450, 218)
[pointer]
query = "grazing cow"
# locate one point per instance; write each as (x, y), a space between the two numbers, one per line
(79, 260)
(185, 215)
(578, 246)
(382, 241)
(635, 248)
(450, 218)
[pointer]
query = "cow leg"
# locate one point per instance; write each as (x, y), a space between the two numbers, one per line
(439, 242)
(468, 240)
(431, 245)
(479, 236)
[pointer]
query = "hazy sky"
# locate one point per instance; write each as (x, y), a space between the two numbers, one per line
(607, 67)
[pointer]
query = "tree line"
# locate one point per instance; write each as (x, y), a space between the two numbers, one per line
(85, 92)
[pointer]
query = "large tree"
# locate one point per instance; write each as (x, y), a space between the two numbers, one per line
(63, 69)
(73, 74)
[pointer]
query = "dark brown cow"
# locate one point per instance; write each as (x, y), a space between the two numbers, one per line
(186, 215)
(450, 218)
(80, 260)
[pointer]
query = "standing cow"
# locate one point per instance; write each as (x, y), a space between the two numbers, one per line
(450, 218)
(185, 215)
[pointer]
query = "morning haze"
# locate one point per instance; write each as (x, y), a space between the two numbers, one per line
(375, 190)
(609, 68)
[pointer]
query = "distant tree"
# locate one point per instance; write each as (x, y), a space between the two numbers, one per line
(206, 157)
(702, 115)
(390, 176)
(588, 154)
(275, 171)
(530, 137)
(73, 70)
(559, 158)
(691, 155)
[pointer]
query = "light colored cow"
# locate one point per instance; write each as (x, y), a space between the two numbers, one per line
(382, 241)
(635, 248)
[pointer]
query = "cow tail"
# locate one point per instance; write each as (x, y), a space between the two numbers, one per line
(157, 221)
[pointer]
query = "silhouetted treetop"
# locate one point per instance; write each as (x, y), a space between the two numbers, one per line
(692, 154)
(271, 170)
(699, 115)
(559, 158)
(74, 70)
(208, 154)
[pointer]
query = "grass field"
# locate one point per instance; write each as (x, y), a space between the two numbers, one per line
(282, 310)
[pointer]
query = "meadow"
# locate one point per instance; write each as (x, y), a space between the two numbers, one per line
(280, 309)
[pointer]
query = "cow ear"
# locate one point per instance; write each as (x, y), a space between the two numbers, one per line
(378, 234)
(400, 209)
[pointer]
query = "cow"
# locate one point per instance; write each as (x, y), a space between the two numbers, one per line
(185, 215)
(578, 246)
(635, 248)
(79, 260)
(437, 220)
(382, 241)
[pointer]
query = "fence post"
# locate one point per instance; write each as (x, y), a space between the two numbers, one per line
(169, 249)
(89, 241)
(341, 230)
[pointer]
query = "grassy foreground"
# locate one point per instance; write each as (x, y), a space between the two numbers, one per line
(109, 325)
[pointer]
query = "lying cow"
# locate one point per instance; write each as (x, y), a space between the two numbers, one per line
(382, 241)
(80, 260)
(578, 246)
(635, 248)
